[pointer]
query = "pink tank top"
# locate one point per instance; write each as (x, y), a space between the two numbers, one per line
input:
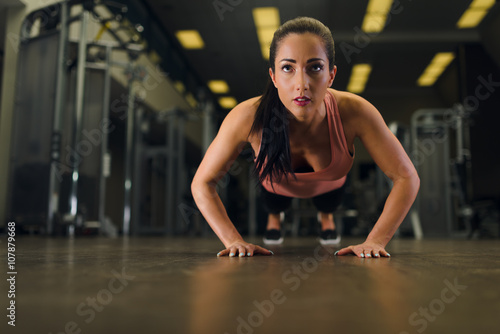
(307, 185)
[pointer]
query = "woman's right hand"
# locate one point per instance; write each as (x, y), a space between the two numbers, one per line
(242, 248)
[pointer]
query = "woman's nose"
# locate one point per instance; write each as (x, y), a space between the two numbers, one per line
(301, 83)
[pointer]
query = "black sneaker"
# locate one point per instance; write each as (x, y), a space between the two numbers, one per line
(329, 237)
(273, 237)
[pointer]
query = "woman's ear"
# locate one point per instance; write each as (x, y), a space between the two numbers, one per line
(273, 77)
(333, 73)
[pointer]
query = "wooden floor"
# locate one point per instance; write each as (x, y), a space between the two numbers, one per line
(161, 285)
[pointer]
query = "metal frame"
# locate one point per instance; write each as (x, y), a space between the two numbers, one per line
(174, 183)
(435, 119)
(60, 102)
(56, 127)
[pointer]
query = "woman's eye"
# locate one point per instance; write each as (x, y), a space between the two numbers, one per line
(317, 67)
(287, 68)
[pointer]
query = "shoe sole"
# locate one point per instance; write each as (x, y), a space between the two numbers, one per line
(329, 242)
(273, 242)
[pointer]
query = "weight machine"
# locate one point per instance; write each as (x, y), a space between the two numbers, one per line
(160, 173)
(60, 158)
(441, 156)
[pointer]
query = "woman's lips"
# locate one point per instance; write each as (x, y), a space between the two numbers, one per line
(302, 101)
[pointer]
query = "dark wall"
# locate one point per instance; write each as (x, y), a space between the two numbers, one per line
(480, 93)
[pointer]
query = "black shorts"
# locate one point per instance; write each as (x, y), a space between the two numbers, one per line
(327, 202)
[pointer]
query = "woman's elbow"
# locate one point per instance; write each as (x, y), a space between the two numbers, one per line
(416, 182)
(196, 187)
(201, 188)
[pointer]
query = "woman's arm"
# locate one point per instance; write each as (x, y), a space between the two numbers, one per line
(232, 136)
(366, 123)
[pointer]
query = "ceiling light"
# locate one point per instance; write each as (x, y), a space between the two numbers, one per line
(359, 76)
(179, 86)
(265, 34)
(482, 4)
(373, 23)
(266, 16)
(435, 68)
(190, 39)
(218, 86)
(227, 102)
(191, 100)
(267, 20)
(475, 13)
(376, 15)
(379, 6)
(154, 57)
(443, 58)
(471, 18)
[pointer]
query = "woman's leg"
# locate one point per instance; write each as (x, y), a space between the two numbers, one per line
(326, 204)
(275, 205)
(326, 220)
(273, 221)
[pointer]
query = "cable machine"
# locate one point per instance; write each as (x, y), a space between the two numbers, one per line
(59, 159)
(160, 174)
(441, 155)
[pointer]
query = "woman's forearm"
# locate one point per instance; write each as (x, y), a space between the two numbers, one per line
(210, 205)
(397, 205)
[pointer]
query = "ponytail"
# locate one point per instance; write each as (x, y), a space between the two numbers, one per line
(271, 119)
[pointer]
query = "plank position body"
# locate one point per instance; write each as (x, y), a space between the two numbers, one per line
(302, 133)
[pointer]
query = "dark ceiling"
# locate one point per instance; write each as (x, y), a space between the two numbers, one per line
(399, 54)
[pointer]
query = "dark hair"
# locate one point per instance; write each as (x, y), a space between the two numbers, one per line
(271, 117)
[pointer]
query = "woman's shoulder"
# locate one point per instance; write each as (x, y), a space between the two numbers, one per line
(244, 111)
(350, 105)
(355, 112)
(347, 101)
(241, 117)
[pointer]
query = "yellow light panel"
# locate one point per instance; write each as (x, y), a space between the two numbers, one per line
(154, 57)
(218, 86)
(486, 4)
(373, 23)
(475, 13)
(179, 86)
(264, 49)
(227, 102)
(471, 18)
(379, 6)
(266, 17)
(355, 88)
(443, 58)
(191, 100)
(190, 39)
(267, 20)
(359, 77)
(425, 81)
(376, 15)
(435, 68)
(434, 71)
(266, 35)
(362, 70)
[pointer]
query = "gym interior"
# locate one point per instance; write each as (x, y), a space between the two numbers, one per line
(107, 112)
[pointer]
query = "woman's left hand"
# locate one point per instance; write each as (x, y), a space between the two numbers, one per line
(368, 249)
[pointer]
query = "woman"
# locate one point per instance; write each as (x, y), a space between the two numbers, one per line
(303, 135)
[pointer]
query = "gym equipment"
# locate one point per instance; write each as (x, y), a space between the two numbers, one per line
(160, 174)
(437, 136)
(59, 160)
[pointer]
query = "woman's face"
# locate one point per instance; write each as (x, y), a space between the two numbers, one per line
(302, 74)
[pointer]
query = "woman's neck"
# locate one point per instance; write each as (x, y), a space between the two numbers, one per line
(308, 126)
